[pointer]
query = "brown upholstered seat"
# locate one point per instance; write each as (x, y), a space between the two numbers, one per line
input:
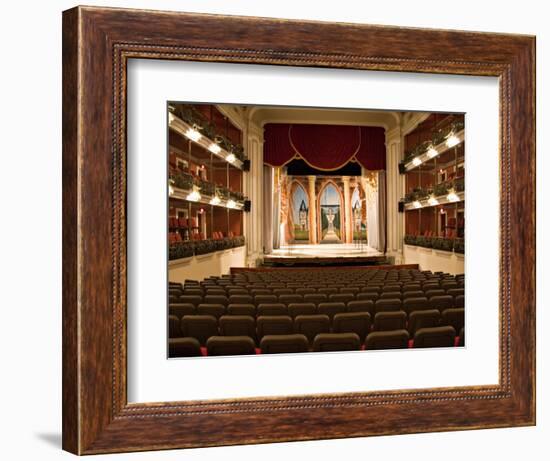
(441, 302)
(461, 338)
(341, 297)
(183, 347)
(387, 305)
(237, 325)
(283, 291)
(274, 325)
(453, 317)
(366, 296)
(272, 309)
(436, 292)
(352, 322)
(390, 295)
(240, 299)
(190, 299)
(295, 309)
(331, 308)
(200, 327)
(179, 310)
(361, 305)
(352, 290)
(174, 330)
(435, 337)
(216, 299)
(284, 344)
(386, 321)
(311, 325)
(380, 340)
(332, 342)
(459, 301)
(315, 298)
(328, 290)
(192, 292)
(455, 292)
(415, 304)
(290, 298)
(230, 345)
(413, 294)
(265, 299)
(423, 319)
(216, 310)
(242, 309)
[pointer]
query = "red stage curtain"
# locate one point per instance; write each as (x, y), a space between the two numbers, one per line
(277, 148)
(372, 152)
(325, 147)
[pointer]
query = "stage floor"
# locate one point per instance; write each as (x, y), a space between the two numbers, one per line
(325, 250)
(325, 254)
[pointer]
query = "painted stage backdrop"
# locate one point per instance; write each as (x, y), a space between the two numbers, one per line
(330, 215)
(299, 214)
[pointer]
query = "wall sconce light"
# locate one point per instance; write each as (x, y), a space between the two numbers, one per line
(194, 196)
(214, 148)
(432, 152)
(452, 140)
(452, 197)
(433, 201)
(193, 134)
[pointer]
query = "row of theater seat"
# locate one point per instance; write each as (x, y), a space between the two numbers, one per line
(322, 277)
(262, 296)
(409, 305)
(202, 327)
(323, 342)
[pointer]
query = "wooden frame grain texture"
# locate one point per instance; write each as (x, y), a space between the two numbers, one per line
(97, 44)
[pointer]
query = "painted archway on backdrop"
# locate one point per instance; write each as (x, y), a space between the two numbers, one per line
(358, 213)
(330, 213)
(298, 215)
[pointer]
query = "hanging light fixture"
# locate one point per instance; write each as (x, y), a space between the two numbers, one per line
(215, 200)
(170, 189)
(417, 204)
(231, 158)
(231, 204)
(416, 161)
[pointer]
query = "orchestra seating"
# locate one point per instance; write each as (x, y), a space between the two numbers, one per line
(292, 310)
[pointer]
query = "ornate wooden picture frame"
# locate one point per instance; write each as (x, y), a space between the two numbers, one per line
(97, 44)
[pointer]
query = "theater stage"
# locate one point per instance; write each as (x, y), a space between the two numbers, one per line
(334, 254)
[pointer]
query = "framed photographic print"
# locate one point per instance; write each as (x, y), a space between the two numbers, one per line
(281, 230)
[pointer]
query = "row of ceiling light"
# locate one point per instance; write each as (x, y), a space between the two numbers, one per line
(451, 141)
(432, 201)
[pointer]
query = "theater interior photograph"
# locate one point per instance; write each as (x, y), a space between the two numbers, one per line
(304, 230)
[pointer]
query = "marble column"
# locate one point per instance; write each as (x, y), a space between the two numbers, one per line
(394, 192)
(348, 228)
(254, 191)
(312, 210)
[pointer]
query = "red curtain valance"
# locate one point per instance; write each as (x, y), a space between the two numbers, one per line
(325, 147)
